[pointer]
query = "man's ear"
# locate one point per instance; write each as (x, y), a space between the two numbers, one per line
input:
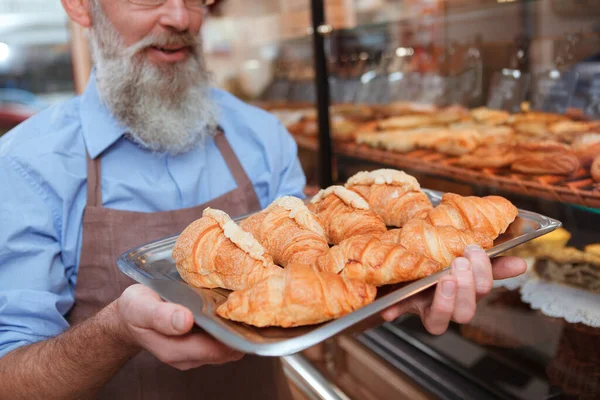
(79, 11)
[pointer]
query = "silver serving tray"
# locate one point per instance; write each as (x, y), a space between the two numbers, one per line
(153, 266)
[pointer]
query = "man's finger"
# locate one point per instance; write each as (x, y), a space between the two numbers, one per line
(464, 309)
(508, 267)
(437, 317)
(482, 269)
(191, 349)
(144, 309)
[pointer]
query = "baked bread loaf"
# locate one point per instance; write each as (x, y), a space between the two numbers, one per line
(299, 296)
(377, 262)
(288, 231)
(595, 169)
(393, 195)
(344, 214)
(490, 215)
(214, 252)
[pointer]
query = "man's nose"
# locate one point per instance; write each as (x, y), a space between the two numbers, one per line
(175, 15)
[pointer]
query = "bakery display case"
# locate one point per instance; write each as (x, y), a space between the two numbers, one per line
(474, 97)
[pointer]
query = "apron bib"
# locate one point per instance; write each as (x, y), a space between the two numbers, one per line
(107, 234)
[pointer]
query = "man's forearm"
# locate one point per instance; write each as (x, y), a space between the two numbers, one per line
(72, 365)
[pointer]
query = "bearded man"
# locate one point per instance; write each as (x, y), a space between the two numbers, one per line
(137, 157)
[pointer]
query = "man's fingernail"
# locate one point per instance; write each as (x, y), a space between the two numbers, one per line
(462, 264)
(449, 288)
(178, 321)
(473, 247)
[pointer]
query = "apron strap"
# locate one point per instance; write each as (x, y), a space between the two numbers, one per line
(94, 189)
(237, 170)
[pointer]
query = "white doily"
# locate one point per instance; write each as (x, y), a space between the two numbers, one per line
(518, 281)
(559, 301)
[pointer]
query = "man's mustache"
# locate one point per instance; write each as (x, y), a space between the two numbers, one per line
(165, 39)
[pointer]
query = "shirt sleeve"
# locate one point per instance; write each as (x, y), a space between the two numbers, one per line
(291, 179)
(34, 290)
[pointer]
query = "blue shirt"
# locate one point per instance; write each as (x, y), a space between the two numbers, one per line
(43, 194)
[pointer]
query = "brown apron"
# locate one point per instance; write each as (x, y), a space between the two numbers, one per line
(107, 234)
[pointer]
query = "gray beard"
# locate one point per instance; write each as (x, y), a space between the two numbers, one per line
(164, 108)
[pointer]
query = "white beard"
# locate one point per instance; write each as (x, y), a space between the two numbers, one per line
(164, 108)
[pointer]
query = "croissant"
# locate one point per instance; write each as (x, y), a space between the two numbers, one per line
(375, 261)
(299, 296)
(289, 231)
(393, 195)
(439, 243)
(490, 215)
(214, 252)
(345, 214)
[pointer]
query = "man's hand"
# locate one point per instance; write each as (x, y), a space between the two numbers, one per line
(456, 294)
(163, 329)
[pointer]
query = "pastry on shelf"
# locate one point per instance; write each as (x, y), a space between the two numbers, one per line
(407, 140)
(344, 214)
(555, 239)
(453, 142)
(532, 128)
(587, 148)
(569, 266)
(496, 135)
(288, 231)
(406, 108)
(451, 115)
(377, 262)
(550, 163)
(488, 116)
(299, 296)
(353, 112)
(214, 252)
(567, 129)
(490, 215)
(595, 169)
(536, 116)
(439, 243)
(406, 122)
(495, 156)
(394, 195)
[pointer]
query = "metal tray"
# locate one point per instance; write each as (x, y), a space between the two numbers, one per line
(153, 266)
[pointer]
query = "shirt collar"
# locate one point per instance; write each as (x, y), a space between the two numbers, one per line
(100, 128)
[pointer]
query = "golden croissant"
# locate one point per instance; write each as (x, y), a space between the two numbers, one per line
(393, 195)
(289, 232)
(491, 215)
(376, 262)
(215, 252)
(345, 214)
(439, 243)
(299, 296)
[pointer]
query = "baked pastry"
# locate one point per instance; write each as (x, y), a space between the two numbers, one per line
(569, 266)
(214, 251)
(377, 262)
(406, 108)
(553, 163)
(536, 116)
(595, 169)
(451, 115)
(453, 142)
(404, 141)
(593, 249)
(439, 243)
(288, 231)
(393, 195)
(353, 112)
(406, 122)
(490, 215)
(490, 117)
(498, 156)
(532, 128)
(344, 214)
(299, 296)
(562, 128)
